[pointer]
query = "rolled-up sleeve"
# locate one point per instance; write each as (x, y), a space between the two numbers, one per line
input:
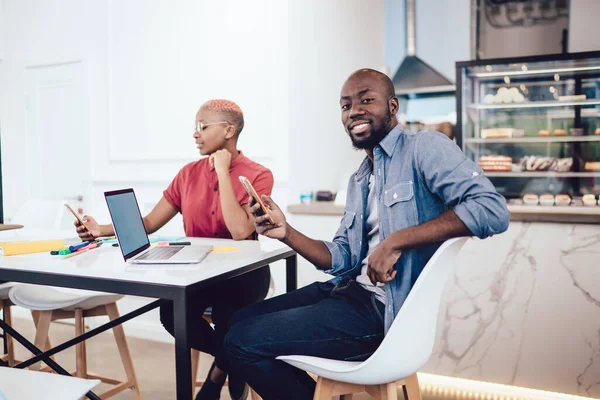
(460, 183)
(340, 250)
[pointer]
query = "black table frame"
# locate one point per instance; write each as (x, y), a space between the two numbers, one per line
(179, 295)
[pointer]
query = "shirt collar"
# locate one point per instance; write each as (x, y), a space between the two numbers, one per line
(388, 144)
(239, 159)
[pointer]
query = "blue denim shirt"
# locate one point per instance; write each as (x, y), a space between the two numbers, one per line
(418, 176)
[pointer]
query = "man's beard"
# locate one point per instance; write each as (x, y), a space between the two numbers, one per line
(376, 135)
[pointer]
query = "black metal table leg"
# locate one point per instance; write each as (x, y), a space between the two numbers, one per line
(5, 345)
(291, 273)
(183, 364)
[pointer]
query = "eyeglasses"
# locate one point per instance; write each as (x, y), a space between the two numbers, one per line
(200, 126)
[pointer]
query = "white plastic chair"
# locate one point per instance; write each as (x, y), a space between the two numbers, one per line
(405, 349)
(21, 384)
(50, 304)
(40, 214)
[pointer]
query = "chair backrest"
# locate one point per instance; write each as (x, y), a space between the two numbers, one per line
(40, 214)
(409, 342)
(23, 384)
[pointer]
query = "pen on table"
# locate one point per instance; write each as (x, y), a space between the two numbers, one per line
(78, 246)
(81, 251)
(90, 246)
(164, 243)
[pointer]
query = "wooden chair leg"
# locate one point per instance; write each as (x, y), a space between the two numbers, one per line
(195, 354)
(389, 391)
(324, 389)
(113, 313)
(41, 334)
(412, 387)
(254, 395)
(80, 349)
(10, 345)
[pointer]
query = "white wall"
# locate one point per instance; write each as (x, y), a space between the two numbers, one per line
(328, 40)
(149, 65)
(584, 30)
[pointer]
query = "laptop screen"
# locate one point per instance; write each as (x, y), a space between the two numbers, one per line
(127, 221)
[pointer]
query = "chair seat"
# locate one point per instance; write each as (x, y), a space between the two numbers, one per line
(22, 384)
(343, 371)
(43, 298)
(4, 289)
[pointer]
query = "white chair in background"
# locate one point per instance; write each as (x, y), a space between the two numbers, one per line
(40, 214)
(50, 304)
(22, 384)
(405, 349)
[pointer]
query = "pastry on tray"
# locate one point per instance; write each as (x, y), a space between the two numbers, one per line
(531, 199)
(495, 163)
(543, 132)
(501, 133)
(547, 199)
(592, 166)
(560, 132)
(589, 200)
(562, 200)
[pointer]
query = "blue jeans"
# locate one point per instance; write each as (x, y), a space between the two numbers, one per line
(343, 322)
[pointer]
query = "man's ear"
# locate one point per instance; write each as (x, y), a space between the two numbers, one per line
(394, 105)
(229, 132)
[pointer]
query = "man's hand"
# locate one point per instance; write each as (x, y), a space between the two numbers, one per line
(92, 225)
(221, 160)
(262, 224)
(381, 263)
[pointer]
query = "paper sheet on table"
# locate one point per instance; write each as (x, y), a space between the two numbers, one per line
(224, 249)
(28, 247)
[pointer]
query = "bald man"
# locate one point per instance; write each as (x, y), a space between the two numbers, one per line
(213, 204)
(412, 192)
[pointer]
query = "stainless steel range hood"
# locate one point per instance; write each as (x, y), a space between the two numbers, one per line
(415, 78)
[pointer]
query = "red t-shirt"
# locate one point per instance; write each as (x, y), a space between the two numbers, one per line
(195, 193)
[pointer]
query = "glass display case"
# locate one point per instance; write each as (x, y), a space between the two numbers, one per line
(533, 126)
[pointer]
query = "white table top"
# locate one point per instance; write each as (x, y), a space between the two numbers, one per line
(107, 262)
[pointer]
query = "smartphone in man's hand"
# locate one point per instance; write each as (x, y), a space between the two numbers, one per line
(250, 189)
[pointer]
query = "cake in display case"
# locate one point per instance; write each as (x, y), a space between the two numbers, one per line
(533, 126)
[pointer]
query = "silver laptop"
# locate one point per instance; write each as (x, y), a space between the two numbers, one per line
(133, 240)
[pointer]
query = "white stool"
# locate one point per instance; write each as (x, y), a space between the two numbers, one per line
(405, 349)
(22, 384)
(50, 304)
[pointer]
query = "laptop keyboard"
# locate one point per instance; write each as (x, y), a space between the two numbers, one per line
(160, 253)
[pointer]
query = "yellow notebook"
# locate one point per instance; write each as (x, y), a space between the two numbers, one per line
(37, 246)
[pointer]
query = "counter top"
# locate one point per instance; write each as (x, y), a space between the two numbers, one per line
(572, 214)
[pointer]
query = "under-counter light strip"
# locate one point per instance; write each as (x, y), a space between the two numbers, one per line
(446, 387)
(532, 72)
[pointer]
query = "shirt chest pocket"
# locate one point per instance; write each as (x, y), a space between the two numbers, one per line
(400, 206)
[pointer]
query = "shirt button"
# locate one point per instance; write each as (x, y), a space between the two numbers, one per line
(212, 212)
(215, 233)
(215, 188)
(475, 173)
